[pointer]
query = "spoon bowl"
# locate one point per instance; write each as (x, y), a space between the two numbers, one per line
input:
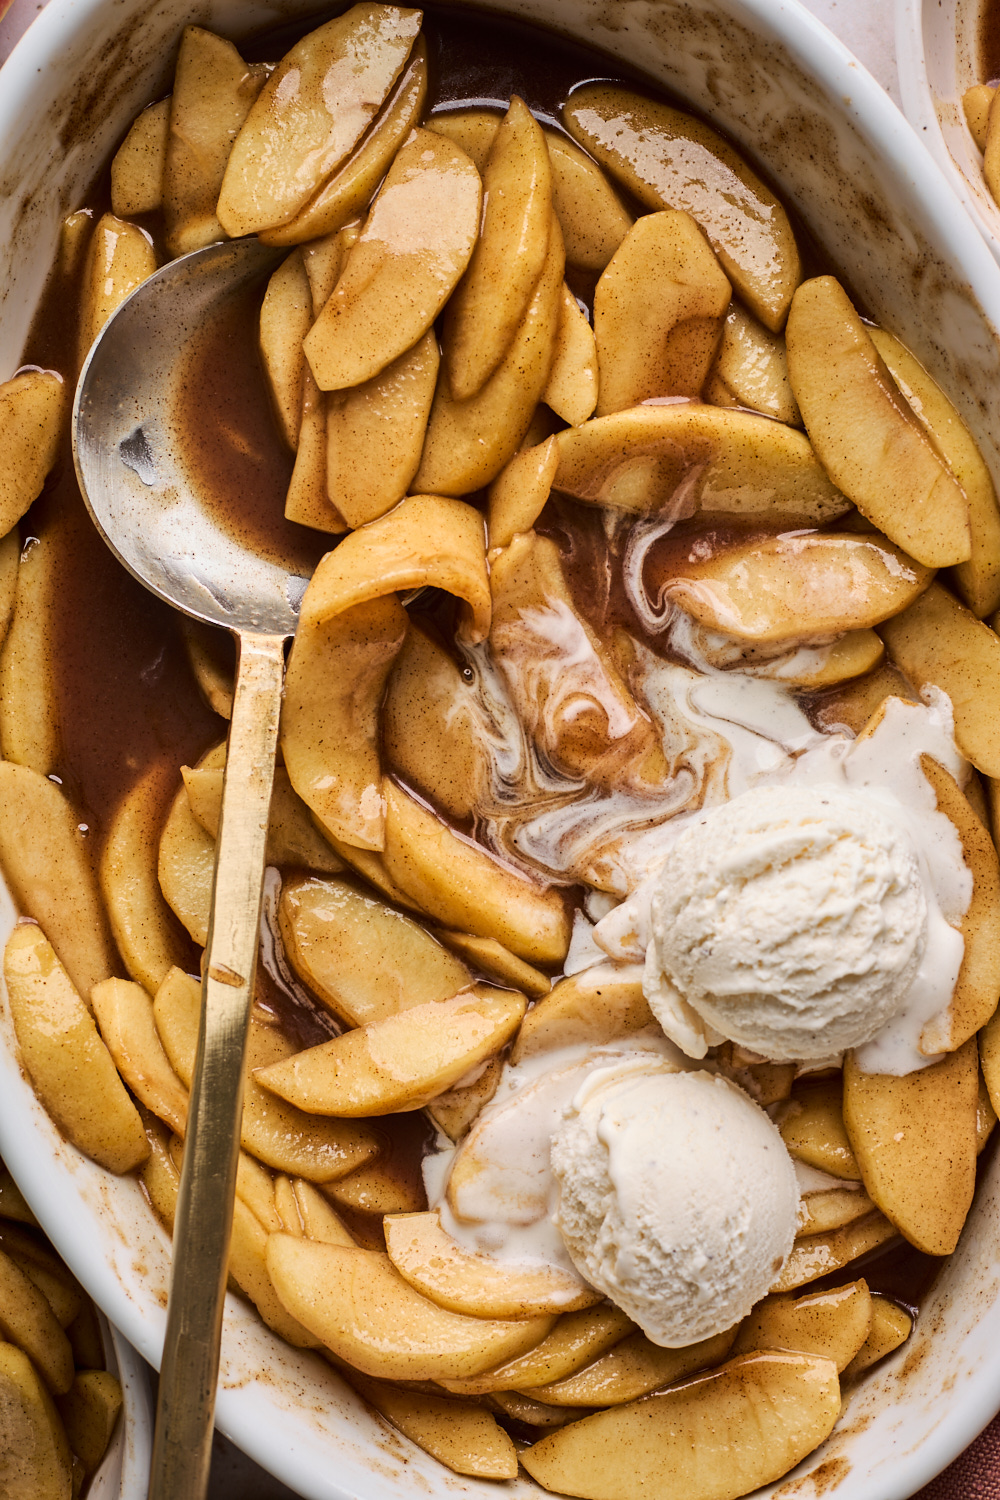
(131, 458)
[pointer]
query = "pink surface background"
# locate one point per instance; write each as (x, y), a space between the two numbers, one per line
(866, 27)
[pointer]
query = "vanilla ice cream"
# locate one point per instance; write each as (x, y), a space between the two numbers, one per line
(792, 920)
(676, 1197)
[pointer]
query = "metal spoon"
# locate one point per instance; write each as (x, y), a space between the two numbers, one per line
(130, 462)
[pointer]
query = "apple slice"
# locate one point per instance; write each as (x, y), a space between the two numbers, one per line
(248, 1270)
(35, 1462)
(833, 1324)
(387, 414)
(816, 1255)
(336, 676)
(490, 303)
(27, 1320)
(976, 103)
(631, 1369)
(186, 867)
(578, 1339)
(853, 704)
(571, 389)
(256, 1185)
(890, 1327)
(286, 1208)
(867, 437)
(813, 1128)
(13, 1204)
(347, 194)
(276, 1133)
(32, 408)
(382, 1186)
(160, 1177)
(44, 1270)
(989, 1057)
(937, 640)
(658, 312)
(849, 656)
(285, 319)
(120, 256)
(455, 1111)
(463, 1437)
(460, 884)
(766, 1082)
(47, 865)
(428, 541)
(594, 220)
(366, 1314)
(292, 835)
(538, 1414)
(428, 1258)
(472, 130)
(668, 159)
(364, 960)
(991, 152)
(751, 369)
(307, 501)
(469, 442)
(715, 1437)
(324, 260)
(795, 587)
(432, 728)
(416, 244)
(318, 1219)
(596, 1006)
(978, 579)
(497, 962)
(30, 729)
(125, 1015)
(425, 540)
(70, 1067)
(315, 107)
(89, 1411)
(212, 672)
(915, 1142)
(401, 1062)
(214, 90)
(138, 164)
(986, 1116)
(832, 1208)
(975, 995)
(372, 868)
(520, 490)
(730, 463)
(146, 933)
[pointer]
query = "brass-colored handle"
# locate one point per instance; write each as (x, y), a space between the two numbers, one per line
(189, 1373)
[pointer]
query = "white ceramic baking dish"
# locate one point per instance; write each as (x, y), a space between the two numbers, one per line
(781, 85)
(937, 56)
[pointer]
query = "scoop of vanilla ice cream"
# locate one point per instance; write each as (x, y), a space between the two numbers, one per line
(792, 920)
(676, 1198)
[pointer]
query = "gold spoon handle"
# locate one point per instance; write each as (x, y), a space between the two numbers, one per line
(185, 1409)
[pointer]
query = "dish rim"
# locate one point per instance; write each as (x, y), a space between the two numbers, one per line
(822, 55)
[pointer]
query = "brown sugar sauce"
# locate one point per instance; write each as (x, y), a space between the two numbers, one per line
(232, 448)
(126, 698)
(988, 48)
